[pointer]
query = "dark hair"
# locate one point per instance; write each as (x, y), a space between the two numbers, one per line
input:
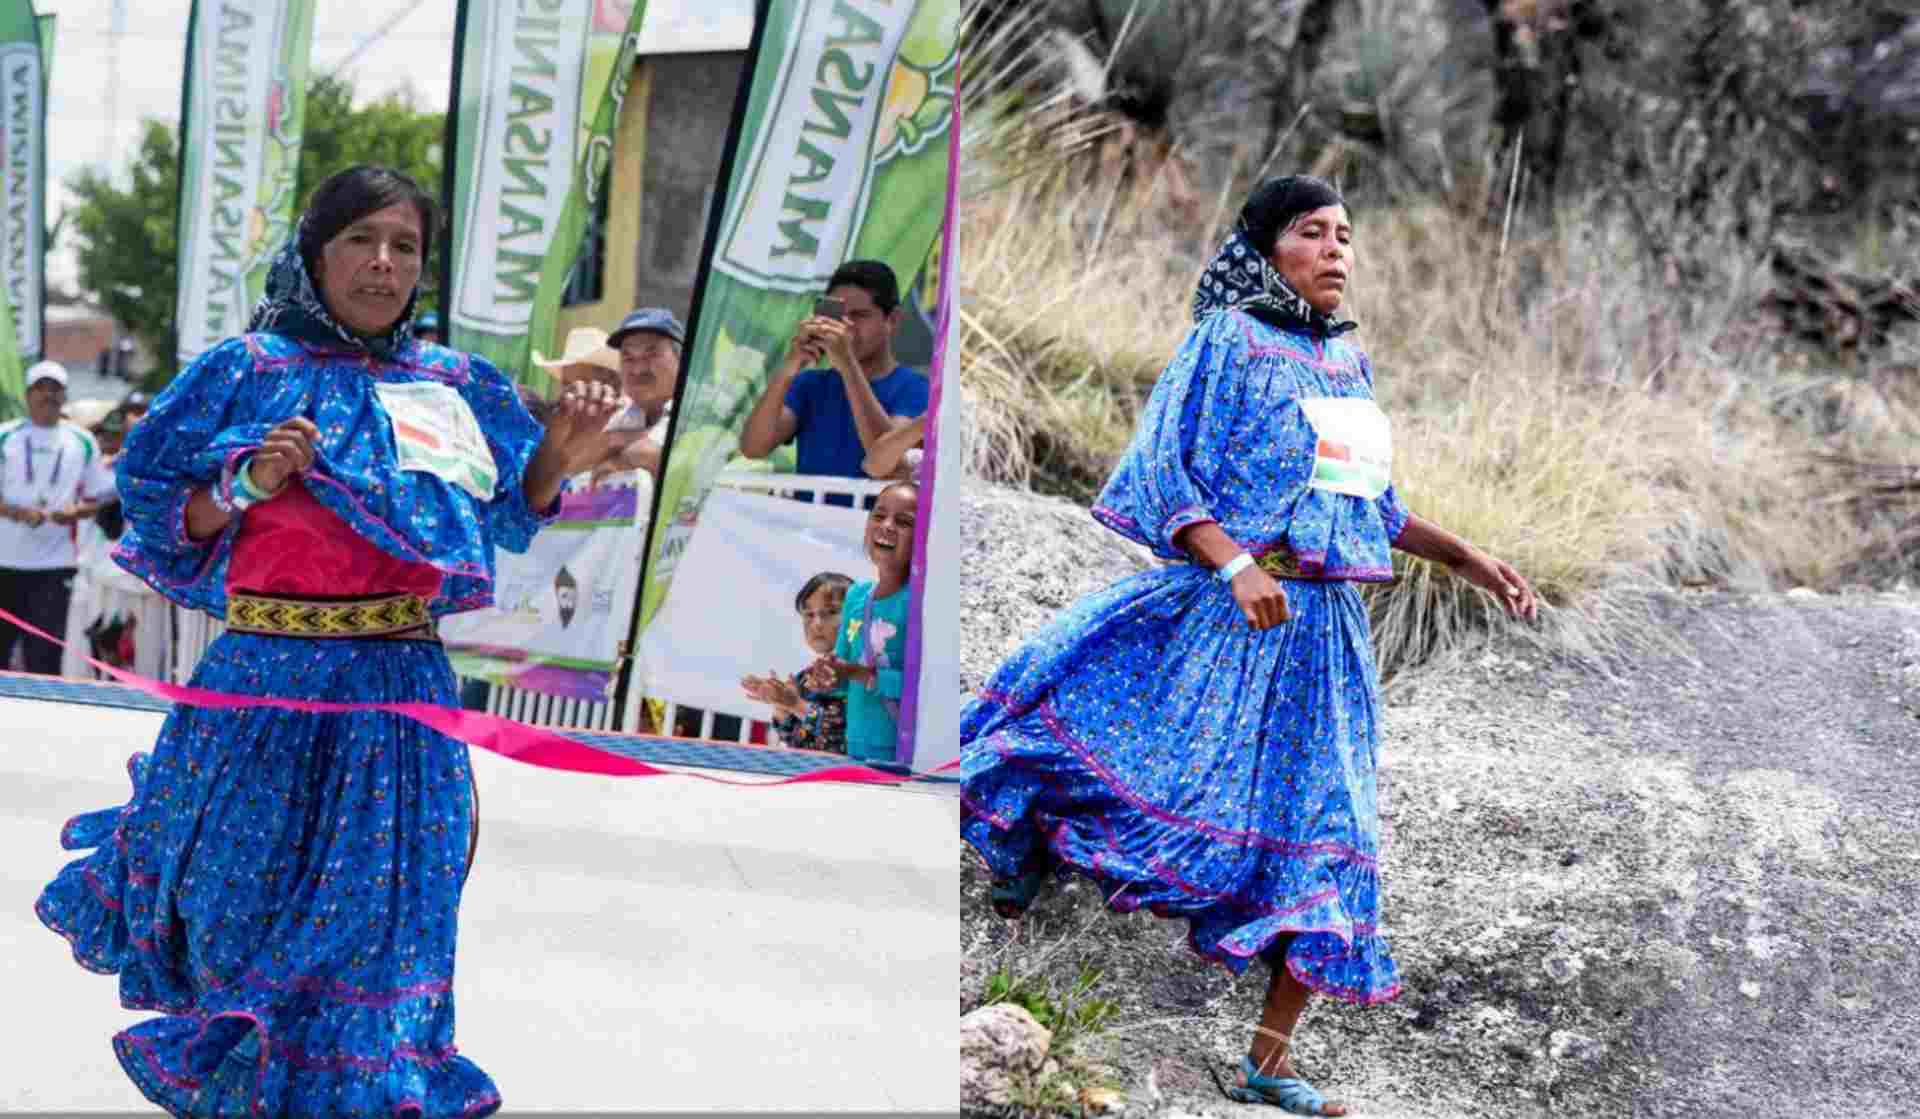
(1275, 203)
(872, 277)
(352, 194)
(832, 579)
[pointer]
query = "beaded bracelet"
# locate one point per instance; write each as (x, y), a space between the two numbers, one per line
(243, 478)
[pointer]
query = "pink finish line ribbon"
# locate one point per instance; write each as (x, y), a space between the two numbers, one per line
(510, 739)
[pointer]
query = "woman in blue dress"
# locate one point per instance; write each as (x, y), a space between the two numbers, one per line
(1201, 739)
(283, 886)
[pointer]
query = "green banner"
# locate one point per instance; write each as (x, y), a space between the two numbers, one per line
(842, 156)
(243, 113)
(23, 181)
(537, 96)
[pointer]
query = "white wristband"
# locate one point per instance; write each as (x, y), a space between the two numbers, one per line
(1234, 567)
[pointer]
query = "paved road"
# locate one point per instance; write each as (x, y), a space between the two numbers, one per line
(641, 944)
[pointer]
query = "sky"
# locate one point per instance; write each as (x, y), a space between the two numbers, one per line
(416, 51)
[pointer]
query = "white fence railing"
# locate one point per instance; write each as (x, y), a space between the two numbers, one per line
(195, 631)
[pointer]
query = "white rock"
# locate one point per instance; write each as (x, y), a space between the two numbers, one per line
(1803, 592)
(996, 1043)
(1569, 1045)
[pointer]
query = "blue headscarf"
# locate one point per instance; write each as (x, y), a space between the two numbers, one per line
(1242, 278)
(292, 307)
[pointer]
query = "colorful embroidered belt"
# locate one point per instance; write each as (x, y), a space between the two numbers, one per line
(292, 616)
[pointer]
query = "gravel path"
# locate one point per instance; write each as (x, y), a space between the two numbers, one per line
(1689, 886)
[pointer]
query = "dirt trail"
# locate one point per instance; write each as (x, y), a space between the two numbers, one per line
(1689, 888)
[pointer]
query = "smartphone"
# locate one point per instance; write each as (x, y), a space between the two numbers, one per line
(827, 307)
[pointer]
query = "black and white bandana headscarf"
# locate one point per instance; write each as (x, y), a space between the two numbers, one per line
(1242, 278)
(292, 307)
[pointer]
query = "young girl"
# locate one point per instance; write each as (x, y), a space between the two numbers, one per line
(870, 656)
(811, 708)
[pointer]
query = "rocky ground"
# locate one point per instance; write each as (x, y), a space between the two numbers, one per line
(1687, 885)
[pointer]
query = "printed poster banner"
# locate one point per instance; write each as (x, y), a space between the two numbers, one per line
(843, 154)
(561, 610)
(845, 132)
(731, 613)
(246, 96)
(23, 164)
(537, 94)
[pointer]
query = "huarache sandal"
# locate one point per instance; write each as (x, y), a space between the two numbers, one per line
(1288, 1093)
(1012, 896)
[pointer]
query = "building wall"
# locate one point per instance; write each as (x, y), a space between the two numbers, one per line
(667, 151)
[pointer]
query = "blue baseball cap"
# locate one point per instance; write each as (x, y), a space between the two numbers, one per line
(658, 320)
(427, 320)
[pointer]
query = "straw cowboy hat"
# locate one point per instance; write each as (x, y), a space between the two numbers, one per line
(586, 345)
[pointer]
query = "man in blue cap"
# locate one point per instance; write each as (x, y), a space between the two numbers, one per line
(835, 414)
(649, 341)
(426, 327)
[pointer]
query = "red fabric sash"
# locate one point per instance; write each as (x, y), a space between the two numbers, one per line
(530, 745)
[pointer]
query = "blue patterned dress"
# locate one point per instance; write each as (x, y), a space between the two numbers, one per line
(1152, 740)
(284, 887)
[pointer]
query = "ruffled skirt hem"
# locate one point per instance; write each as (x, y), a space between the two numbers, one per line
(1326, 926)
(225, 1065)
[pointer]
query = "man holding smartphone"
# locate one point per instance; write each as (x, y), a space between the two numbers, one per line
(836, 413)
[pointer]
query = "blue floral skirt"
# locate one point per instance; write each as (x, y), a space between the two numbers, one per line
(284, 887)
(1151, 740)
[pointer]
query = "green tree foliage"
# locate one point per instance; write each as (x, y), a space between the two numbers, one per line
(126, 236)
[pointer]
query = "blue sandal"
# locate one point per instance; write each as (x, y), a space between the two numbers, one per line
(1288, 1093)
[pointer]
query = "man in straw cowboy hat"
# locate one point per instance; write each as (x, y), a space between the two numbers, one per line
(585, 357)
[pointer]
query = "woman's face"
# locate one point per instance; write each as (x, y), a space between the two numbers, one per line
(890, 530)
(1315, 256)
(370, 268)
(820, 618)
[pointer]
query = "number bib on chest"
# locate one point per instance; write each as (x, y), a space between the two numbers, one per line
(435, 432)
(1353, 445)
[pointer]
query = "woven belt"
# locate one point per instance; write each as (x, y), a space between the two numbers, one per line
(1281, 564)
(382, 616)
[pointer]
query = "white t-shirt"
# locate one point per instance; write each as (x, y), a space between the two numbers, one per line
(632, 418)
(45, 468)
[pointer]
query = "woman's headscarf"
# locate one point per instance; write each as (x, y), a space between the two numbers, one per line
(1242, 278)
(291, 306)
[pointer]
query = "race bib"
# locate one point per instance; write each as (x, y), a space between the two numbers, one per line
(436, 432)
(1353, 448)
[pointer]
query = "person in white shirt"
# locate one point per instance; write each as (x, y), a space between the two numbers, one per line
(45, 464)
(649, 342)
(113, 615)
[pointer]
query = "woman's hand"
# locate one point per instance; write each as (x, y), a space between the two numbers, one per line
(1262, 601)
(1499, 577)
(578, 420)
(287, 450)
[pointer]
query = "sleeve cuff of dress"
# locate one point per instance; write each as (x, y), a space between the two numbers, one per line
(1181, 521)
(1397, 517)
